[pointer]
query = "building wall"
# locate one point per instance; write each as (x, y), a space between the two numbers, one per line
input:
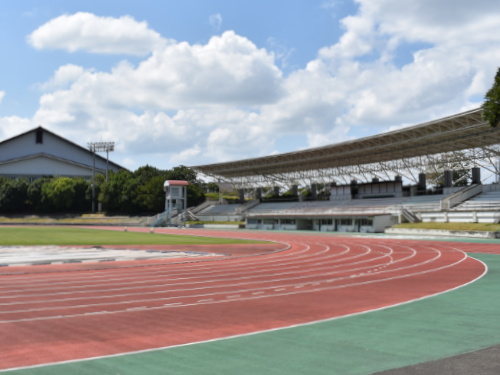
(41, 153)
(43, 166)
(375, 224)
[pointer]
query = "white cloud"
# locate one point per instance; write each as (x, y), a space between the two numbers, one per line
(64, 76)
(215, 20)
(226, 99)
(14, 125)
(280, 50)
(227, 71)
(2, 94)
(441, 78)
(87, 32)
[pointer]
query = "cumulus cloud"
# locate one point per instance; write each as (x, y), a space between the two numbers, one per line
(14, 125)
(183, 98)
(87, 32)
(64, 76)
(228, 70)
(2, 94)
(227, 99)
(440, 78)
(215, 21)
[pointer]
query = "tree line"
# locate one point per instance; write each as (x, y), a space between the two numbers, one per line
(125, 192)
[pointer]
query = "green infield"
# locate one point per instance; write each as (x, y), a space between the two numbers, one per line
(31, 236)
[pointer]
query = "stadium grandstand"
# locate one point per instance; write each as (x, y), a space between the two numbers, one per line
(369, 184)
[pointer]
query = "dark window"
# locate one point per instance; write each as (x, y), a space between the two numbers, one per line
(39, 136)
(366, 222)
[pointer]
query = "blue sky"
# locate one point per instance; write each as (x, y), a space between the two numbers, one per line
(198, 82)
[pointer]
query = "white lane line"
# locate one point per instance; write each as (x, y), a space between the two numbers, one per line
(256, 332)
(233, 270)
(259, 283)
(305, 250)
(256, 297)
(226, 280)
(137, 308)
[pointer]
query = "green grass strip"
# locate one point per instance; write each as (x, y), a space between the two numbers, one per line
(65, 236)
(480, 227)
(460, 321)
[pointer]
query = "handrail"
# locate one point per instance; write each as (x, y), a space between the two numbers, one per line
(202, 206)
(248, 205)
(410, 216)
(460, 196)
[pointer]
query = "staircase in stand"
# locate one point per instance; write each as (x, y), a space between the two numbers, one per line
(410, 216)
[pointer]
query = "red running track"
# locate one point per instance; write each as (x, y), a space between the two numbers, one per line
(48, 316)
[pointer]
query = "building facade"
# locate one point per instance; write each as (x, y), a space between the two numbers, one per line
(40, 152)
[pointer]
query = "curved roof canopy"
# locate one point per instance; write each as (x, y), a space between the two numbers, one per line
(464, 131)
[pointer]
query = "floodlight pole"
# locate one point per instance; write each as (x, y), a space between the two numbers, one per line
(93, 185)
(107, 164)
(95, 147)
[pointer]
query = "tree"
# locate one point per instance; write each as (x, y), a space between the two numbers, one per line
(212, 187)
(183, 173)
(35, 193)
(83, 194)
(142, 191)
(151, 197)
(113, 195)
(13, 194)
(458, 163)
(491, 105)
(59, 194)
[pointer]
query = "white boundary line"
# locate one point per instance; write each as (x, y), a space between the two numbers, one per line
(253, 333)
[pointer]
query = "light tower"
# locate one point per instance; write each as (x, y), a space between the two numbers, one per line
(99, 147)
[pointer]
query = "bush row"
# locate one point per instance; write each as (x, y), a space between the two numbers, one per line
(125, 192)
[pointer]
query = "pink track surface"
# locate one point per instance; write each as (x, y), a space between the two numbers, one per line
(60, 313)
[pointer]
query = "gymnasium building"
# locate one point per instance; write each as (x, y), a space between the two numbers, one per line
(40, 152)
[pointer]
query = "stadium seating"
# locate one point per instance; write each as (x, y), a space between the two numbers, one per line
(355, 206)
(219, 212)
(484, 207)
(484, 201)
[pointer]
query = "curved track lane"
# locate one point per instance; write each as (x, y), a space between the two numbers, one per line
(59, 316)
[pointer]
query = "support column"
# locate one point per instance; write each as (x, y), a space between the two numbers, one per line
(258, 193)
(354, 188)
(448, 179)
(422, 182)
(314, 191)
(476, 175)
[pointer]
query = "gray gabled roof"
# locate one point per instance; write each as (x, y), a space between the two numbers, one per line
(112, 164)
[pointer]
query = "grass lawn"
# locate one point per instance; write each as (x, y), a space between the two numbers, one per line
(25, 236)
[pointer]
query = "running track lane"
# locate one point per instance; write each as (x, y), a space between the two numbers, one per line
(53, 317)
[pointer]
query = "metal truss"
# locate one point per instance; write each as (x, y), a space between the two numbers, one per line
(462, 140)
